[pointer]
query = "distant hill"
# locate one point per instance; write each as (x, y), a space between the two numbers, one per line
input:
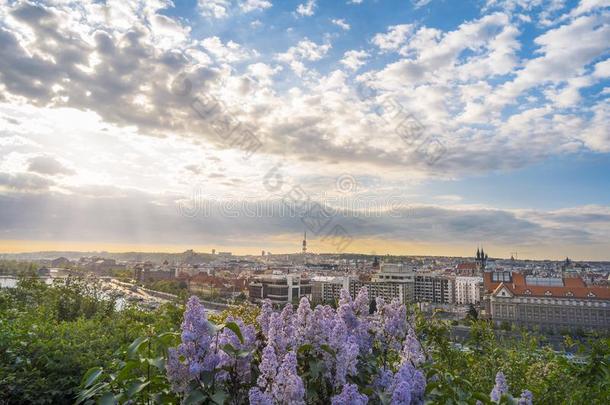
(189, 256)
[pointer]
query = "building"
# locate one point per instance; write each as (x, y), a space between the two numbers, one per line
(467, 269)
(325, 290)
(328, 289)
(468, 290)
(279, 288)
(147, 275)
(551, 304)
(389, 291)
(395, 273)
(213, 285)
(434, 288)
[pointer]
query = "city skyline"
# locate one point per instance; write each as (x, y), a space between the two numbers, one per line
(417, 128)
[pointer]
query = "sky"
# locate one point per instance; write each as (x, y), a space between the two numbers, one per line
(424, 127)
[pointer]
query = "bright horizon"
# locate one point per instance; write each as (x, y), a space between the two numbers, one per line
(393, 249)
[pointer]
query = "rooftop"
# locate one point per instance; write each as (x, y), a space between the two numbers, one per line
(570, 287)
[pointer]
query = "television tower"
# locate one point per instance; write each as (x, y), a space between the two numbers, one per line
(305, 242)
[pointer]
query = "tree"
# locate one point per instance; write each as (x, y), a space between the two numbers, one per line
(372, 307)
(472, 313)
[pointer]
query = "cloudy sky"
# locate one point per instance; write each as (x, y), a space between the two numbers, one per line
(386, 126)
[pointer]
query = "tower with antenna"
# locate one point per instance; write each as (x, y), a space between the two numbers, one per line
(305, 243)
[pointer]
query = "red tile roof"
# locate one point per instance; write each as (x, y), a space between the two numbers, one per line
(574, 287)
(467, 266)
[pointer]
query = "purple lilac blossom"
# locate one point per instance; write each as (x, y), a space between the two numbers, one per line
(268, 368)
(265, 316)
(361, 302)
(348, 331)
(241, 365)
(383, 380)
(349, 311)
(177, 372)
(401, 394)
(257, 397)
(500, 388)
(288, 320)
(303, 322)
(414, 378)
(195, 347)
(412, 350)
(287, 386)
(276, 335)
(349, 395)
(526, 398)
(347, 359)
(392, 324)
(346, 310)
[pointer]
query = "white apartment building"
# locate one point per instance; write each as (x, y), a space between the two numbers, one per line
(326, 289)
(468, 290)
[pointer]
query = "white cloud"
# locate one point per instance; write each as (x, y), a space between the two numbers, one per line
(214, 8)
(394, 38)
(254, 5)
(305, 50)
(229, 52)
(354, 59)
(341, 23)
(562, 57)
(306, 9)
(586, 6)
(263, 73)
(420, 3)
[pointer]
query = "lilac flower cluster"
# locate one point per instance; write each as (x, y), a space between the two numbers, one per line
(526, 398)
(341, 339)
(391, 324)
(201, 351)
(407, 385)
(354, 315)
(349, 395)
(306, 350)
(242, 364)
(501, 387)
(195, 349)
(278, 383)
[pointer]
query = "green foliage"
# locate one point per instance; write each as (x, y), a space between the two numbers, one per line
(17, 267)
(139, 374)
(465, 374)
(175, 287)
(67, 339)
(245, 311)
(50, 335)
